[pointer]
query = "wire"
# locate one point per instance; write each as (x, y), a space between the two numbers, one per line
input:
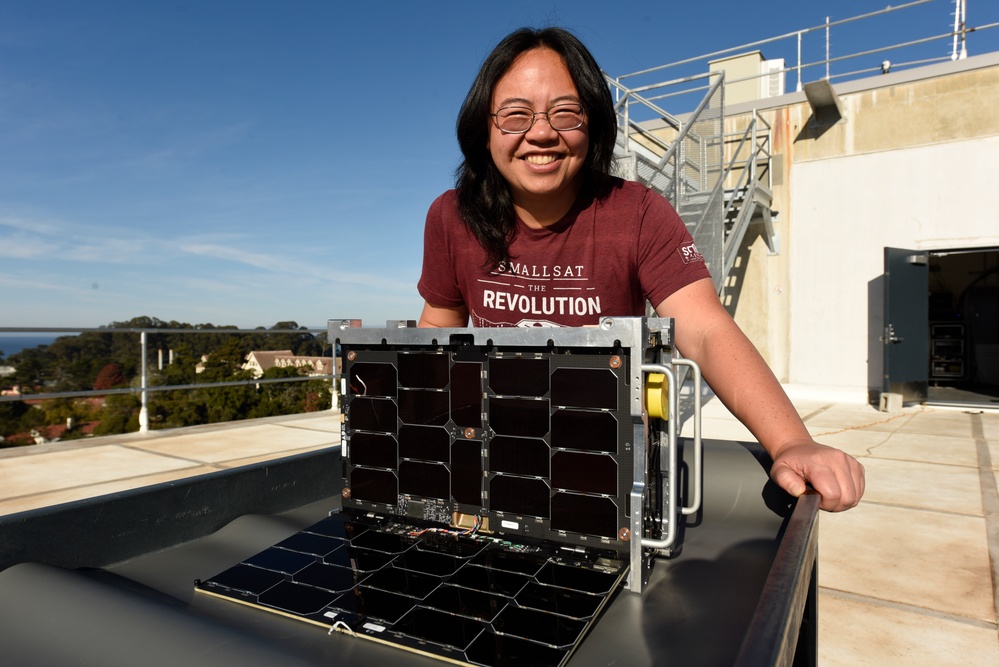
(883, 421)
(342, 627)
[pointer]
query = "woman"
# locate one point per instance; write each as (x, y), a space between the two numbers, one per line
(537, 233)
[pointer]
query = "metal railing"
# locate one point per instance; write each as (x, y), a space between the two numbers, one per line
(792, 47)
(748, 193)
(144, 388)
(681, 159)
(720, 182)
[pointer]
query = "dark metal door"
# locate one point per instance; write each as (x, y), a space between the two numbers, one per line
(905, 337)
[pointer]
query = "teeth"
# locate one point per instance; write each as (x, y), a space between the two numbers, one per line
(540, 159)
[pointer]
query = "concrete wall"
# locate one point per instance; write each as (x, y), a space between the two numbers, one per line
(911, 165)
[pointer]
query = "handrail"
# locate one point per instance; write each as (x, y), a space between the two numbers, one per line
(628, 97)
(761, 42)
(192, 330)
(682, 128)
(787, 604)
(696, 114)
(158, 387)
(697, 475)
(668, 522)
(958, 34)
(144, 388)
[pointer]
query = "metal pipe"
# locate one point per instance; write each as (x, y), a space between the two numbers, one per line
(144, 410)
(798, 66)
(961, 25)
(761, 42)
(667, 522)
(827, 48)
(166, 387)
(696, 475)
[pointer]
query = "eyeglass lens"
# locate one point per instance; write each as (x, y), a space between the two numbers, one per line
(520, 119)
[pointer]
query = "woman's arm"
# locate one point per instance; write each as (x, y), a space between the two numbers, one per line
(439, 316)
(739, 376)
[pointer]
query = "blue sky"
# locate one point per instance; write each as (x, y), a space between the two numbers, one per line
(252, 161)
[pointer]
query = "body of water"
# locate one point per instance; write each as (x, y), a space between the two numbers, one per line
(12, 344)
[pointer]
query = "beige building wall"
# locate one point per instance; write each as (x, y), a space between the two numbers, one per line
(911, 165)
(742, 76)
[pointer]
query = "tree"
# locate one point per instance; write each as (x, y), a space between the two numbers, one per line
(109, 377)
(120, 415)
(11, 414)
(103, 360)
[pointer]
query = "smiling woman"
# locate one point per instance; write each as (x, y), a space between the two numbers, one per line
(537, 132)
(540, 164)
(534, 197)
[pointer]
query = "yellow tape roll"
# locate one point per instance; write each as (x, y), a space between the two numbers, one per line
(657, 396)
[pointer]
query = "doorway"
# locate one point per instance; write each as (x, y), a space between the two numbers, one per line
(963, 313)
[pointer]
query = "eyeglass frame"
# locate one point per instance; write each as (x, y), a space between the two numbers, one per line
(535, 114)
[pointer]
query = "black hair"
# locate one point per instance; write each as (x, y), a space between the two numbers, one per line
(484, 200)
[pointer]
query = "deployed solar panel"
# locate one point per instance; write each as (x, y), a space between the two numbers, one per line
(462, 596)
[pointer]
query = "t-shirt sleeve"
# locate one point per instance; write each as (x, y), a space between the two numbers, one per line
(438, 283)
(667, 257)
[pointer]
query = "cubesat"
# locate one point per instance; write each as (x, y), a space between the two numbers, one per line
(497, 487)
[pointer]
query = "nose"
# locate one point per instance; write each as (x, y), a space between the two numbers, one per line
(541, 129)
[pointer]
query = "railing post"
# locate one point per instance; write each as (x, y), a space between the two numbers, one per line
(627, 127)
(798, 66)
(680, 158)
(144, 410)
(827, 49)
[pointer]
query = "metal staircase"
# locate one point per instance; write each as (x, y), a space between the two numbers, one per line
(718, 181)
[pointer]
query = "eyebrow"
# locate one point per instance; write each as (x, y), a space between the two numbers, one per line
(515, 101)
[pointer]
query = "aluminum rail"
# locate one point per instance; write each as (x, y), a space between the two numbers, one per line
(798, 34)
(784, 629)
(696, 477)
(144, 387)
(668, 521)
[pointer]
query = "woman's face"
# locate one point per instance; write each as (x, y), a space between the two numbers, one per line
(541, 166)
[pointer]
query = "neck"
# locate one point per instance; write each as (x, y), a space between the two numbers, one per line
(545, 210)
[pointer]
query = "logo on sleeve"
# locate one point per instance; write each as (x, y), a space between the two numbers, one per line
(689, 254)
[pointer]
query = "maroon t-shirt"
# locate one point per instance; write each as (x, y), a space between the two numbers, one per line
(606, 257)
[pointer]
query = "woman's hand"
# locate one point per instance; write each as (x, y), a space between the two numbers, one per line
(835, 475)
(739, 376)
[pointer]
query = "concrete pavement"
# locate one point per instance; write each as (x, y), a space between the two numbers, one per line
(909, 577)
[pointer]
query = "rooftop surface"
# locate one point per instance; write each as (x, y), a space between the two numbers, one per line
(909, 577)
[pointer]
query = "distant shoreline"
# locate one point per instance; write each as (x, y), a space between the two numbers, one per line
(11, 345)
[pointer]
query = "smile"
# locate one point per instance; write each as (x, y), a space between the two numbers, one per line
(541, 159)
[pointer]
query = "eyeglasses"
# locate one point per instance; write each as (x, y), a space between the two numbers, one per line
(518, 120)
